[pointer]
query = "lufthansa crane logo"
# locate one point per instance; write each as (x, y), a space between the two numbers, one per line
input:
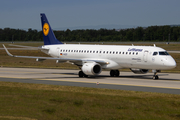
(45, 29)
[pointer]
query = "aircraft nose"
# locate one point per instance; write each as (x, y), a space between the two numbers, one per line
(170, 63)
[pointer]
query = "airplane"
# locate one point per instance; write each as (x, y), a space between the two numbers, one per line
(92, 59)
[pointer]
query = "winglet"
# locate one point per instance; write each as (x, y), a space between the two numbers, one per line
(8, 51)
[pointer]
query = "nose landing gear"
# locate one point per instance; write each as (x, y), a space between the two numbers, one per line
(155, 76)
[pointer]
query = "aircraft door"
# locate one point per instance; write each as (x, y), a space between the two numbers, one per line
(145, 56)
(58, 51)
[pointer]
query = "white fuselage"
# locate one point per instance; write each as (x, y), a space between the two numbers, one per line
(118, 56)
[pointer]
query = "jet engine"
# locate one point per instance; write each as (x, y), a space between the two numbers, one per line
(91, 68)
(139, 71)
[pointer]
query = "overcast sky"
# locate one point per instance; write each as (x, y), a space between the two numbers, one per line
(72, 13)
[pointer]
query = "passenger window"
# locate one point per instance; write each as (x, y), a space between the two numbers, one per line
(71, 50)
(96, 51)
(129, 52)
(103, 51)
(137, 53)
(116, 52)
(123, 53)
(119, 52)
(155, 53)
(126, 52)
(107, 52)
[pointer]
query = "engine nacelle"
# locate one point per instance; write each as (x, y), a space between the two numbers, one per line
(139, 71)
(91, 68)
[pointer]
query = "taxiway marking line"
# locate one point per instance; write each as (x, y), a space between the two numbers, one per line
(91, 82)
(110, 83)
(18, 72)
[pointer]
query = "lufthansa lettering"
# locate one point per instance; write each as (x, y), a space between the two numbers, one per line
(134, 49)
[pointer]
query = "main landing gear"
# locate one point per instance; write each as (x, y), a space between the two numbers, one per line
(114, 73)
(81, 74)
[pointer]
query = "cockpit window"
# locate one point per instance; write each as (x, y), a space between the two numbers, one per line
(163, 53)
(155, 53)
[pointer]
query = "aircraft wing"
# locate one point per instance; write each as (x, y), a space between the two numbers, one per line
(28, 47)
(22, 46)
(58, 60)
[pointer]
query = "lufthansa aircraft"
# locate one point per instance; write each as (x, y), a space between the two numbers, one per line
(93, 58)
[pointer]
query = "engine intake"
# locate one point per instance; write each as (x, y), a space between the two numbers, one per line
(91, 68)
(139, 71)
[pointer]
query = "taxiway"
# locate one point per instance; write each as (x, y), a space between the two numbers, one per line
(167, 83)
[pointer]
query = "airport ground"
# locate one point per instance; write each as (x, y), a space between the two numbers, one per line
(167, 83)
(43, 94)
(121, 99)
(127, 78)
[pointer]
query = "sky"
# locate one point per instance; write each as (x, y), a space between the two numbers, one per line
(66, 14)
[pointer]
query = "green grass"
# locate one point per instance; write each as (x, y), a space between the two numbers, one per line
(50, 102)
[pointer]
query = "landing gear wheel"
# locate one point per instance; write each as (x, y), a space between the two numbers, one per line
(114, 73)
(81, 74)
(85, 75)
(155, 77)
(117, 73)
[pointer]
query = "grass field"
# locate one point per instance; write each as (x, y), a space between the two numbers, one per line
(20, 101)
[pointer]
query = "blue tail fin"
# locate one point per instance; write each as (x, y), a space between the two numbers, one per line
(48, 34)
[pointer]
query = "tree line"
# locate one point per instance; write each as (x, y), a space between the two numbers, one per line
(152, 33)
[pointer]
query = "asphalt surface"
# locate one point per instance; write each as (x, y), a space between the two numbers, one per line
(167, 83)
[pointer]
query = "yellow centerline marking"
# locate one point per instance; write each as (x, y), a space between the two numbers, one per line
(109, 83)
(90, 82)
(15, 77)
(17, 72)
